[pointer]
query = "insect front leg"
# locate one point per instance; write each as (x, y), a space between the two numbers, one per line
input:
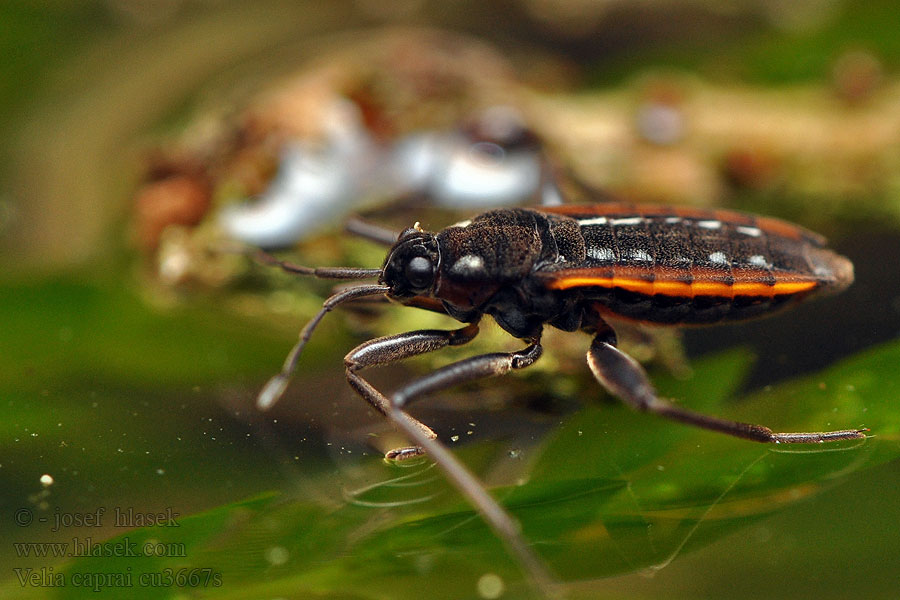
(389, 349)
(386, 350)
(623, 377)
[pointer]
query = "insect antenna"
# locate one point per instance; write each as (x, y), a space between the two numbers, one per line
(275, 387)
(320, 272)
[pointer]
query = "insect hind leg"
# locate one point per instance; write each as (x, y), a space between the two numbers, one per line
(623, 377)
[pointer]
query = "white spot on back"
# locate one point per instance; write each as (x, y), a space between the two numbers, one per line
(465, 223)
(468, 264)
(751, 231)
(640, 255)
(718, 258)
(601, 253)
(628, 221)
(823, 272)
(710, 224)
(673, 220)
(758, 260)
(593, 221)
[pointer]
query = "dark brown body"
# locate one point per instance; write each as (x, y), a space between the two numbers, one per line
(569, 267)
(566, 265)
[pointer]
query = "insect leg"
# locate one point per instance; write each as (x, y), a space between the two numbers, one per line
(389, 349)
(386, 350)
(505, 526)
(622, 376)
(477, 367)
(469, 369)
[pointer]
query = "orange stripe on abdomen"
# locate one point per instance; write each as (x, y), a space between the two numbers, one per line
(684, 289)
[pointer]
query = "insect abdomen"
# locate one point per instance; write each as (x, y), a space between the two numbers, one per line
(665, 265)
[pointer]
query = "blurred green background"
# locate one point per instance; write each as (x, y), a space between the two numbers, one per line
(130, 402)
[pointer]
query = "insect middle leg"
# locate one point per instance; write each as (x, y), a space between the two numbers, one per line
(622, 376)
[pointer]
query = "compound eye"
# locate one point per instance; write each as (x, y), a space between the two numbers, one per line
(419, 272)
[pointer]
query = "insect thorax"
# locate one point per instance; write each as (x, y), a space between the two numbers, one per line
(487, 266)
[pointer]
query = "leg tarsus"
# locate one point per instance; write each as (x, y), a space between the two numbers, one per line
(819, 437)
(404, 453)
(622, 376)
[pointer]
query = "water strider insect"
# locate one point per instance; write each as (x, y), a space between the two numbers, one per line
(570, 267)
